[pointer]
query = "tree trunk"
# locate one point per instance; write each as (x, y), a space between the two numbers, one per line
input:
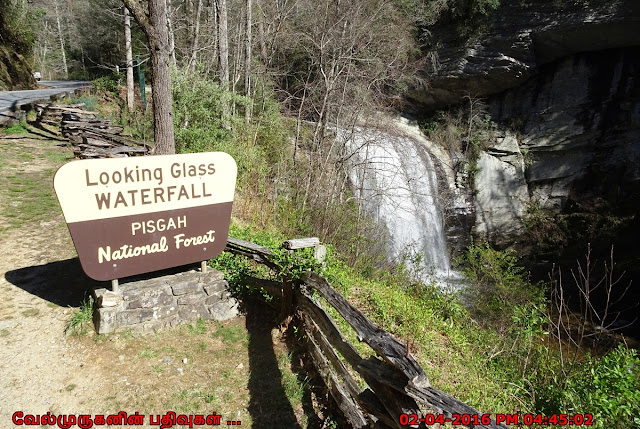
(172, 39)
(127, 39)
(247, 60)
(156, 29)
(223, 43)
(261, 41)
(223, 58)
(196, 37)
(61, 37)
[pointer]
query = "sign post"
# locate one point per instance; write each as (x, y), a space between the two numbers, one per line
(130, 216)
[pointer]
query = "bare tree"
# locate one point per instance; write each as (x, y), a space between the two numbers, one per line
(172, 38)
(127, 41)
(247, 57)
(223, 43)
(195, 38)
(61, 38)
(595, 312)
(155, 27)
(223, 56)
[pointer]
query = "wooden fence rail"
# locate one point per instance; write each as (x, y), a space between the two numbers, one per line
(377, 392)
(90, 137)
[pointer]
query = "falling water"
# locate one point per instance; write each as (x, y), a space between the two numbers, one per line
(395, 178)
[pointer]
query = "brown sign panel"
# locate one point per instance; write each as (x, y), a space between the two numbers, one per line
(130, 216)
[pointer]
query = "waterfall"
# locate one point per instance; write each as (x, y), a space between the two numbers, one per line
(394, 177)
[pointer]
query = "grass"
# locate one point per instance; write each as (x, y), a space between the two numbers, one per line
(199, 328)
(19, 128)
(27, 167)
(148, 353)
(29, 201)
(81, 320)
(56, 157)
(231, 334)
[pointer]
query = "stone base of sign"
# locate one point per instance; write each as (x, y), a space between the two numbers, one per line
(150, 305)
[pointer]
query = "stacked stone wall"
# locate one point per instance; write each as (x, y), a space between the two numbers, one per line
(163, 302)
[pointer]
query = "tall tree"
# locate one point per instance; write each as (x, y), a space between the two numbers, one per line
(196, 38)
(223, 43)
(155, 27)
(127, 41)
(247, 58)
(61, 38)
(223, 57)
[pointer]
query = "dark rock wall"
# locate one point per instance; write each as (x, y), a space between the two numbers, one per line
(579, 122)
(491, 54)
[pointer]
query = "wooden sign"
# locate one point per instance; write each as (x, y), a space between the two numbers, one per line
(134, 215)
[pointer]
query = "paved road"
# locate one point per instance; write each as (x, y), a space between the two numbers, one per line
(12, 100)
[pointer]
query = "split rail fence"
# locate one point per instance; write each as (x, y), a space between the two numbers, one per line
(90, 136)
(376, 392)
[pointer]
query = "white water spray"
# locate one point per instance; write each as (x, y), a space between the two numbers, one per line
(395, 178)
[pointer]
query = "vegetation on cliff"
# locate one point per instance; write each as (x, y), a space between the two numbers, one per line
(16, 45)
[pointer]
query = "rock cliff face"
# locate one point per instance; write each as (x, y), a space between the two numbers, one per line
(579, 120)
(562, 81)
(15, 72)
(503, 50)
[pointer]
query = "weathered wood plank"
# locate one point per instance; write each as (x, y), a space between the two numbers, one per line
(91, 138)
(250, 246)
(430, 396)
(372, 405)
(301, 243)
(126, 149)
(395, 404)
(110, 149)
(96, 127)
(259, 259)
(96, 142)
(348, 407)
(330, 330)
(250, 250)
(349, 383)
(72, 108)
(378, 339)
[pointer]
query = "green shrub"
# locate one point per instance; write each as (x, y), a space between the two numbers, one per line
(607, 387)
(202, 124)
(498, 284)
(107, 83)
(90, 101)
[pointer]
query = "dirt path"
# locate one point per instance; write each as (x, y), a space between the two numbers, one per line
(242, 370)
(41, 369)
